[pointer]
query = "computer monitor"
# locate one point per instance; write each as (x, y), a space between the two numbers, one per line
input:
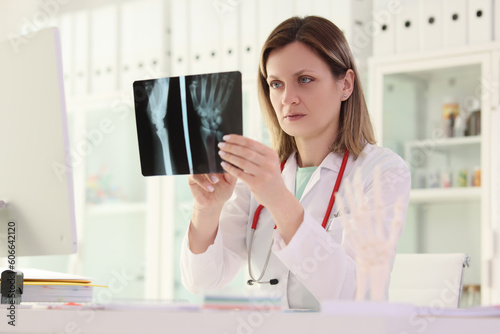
(35, 170)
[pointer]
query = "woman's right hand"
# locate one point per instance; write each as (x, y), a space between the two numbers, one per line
(210, 192)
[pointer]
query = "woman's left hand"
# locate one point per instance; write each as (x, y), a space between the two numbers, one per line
(255, 164)
(259, 167)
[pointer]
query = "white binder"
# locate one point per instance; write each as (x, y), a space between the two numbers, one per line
(205, 37)
(249, 48)
(142, 39)
(303, 8)
(66, 32)
(431, 24)
(496, 19)
(281, 9)
(230, 51)
(480, 21)
(384, 32)
(407, 40)
(179, 38)
(455, 23)
(103, 48)
(264, 21)
(81, 35)
(326, 9)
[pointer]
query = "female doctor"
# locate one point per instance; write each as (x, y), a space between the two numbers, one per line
(272, 209)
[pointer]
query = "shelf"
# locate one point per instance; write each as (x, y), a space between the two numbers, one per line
(445, 195)
(116, 208)
(446, 142)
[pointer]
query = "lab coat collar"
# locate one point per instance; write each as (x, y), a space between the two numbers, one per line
(332, 162)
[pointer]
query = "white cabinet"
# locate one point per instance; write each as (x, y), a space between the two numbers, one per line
(450, 158)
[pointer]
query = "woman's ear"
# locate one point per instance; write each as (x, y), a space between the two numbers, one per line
(348, 84)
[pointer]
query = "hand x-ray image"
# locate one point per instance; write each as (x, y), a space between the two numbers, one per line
(180, 121)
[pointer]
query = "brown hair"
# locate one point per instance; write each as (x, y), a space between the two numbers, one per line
(325, 38)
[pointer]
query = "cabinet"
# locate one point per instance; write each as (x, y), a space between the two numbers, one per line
(453, 179)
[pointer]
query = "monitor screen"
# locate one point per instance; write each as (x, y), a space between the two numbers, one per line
(35, 170)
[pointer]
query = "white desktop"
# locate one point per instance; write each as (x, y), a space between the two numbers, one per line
(35, 173)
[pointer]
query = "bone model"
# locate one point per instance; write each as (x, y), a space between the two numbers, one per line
(364, 227)
(209, 103)
(157, 110)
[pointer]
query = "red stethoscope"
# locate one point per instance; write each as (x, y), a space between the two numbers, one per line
(256, 216)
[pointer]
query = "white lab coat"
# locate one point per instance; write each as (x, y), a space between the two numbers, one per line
(317, 264)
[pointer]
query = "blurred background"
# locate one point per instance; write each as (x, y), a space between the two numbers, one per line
(420, 62)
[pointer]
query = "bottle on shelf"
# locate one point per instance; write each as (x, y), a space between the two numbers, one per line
(450, 111)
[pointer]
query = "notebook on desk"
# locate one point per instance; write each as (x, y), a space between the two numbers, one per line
(50, 286)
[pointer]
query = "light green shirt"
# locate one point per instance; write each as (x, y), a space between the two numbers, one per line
(303, 176)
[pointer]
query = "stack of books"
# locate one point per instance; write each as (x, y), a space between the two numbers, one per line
(48, 286)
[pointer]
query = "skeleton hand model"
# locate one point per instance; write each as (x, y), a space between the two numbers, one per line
(157, 110)
(364, 227)
(209, 103)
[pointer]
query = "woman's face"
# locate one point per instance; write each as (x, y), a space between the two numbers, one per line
(305, 96)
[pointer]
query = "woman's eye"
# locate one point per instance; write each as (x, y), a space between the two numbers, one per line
(305, 80)
(275, 84)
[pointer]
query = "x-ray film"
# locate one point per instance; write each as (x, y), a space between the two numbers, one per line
(180, 121)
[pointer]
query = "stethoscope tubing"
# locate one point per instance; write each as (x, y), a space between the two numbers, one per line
(258, 280)
(256, 220)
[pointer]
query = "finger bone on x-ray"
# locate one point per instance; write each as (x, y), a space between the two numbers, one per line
(210, 102)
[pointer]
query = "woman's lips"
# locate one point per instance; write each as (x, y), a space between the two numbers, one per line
(294, 117)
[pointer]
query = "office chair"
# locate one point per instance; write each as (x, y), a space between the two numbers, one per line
(428, 280)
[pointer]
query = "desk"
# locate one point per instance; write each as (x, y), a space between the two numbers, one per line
(234, 322)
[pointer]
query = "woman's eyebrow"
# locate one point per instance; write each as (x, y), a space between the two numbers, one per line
(271, 76)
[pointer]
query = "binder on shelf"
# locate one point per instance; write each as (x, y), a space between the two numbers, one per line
(341, 16)
(263, 22)
(354, 18)
(281, 10)
(66, 31)
(455, 23)
(230, 51)
(384, 32)
(407, 29)
(205, 37)
(179, 38)
(249, 49)
(303, 8)
(81, 48)
(480, 21)
(431, 24)
(141, 49)
(496, 21)
(103, 48)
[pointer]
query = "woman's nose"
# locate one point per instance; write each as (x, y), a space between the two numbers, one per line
(290, 96)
